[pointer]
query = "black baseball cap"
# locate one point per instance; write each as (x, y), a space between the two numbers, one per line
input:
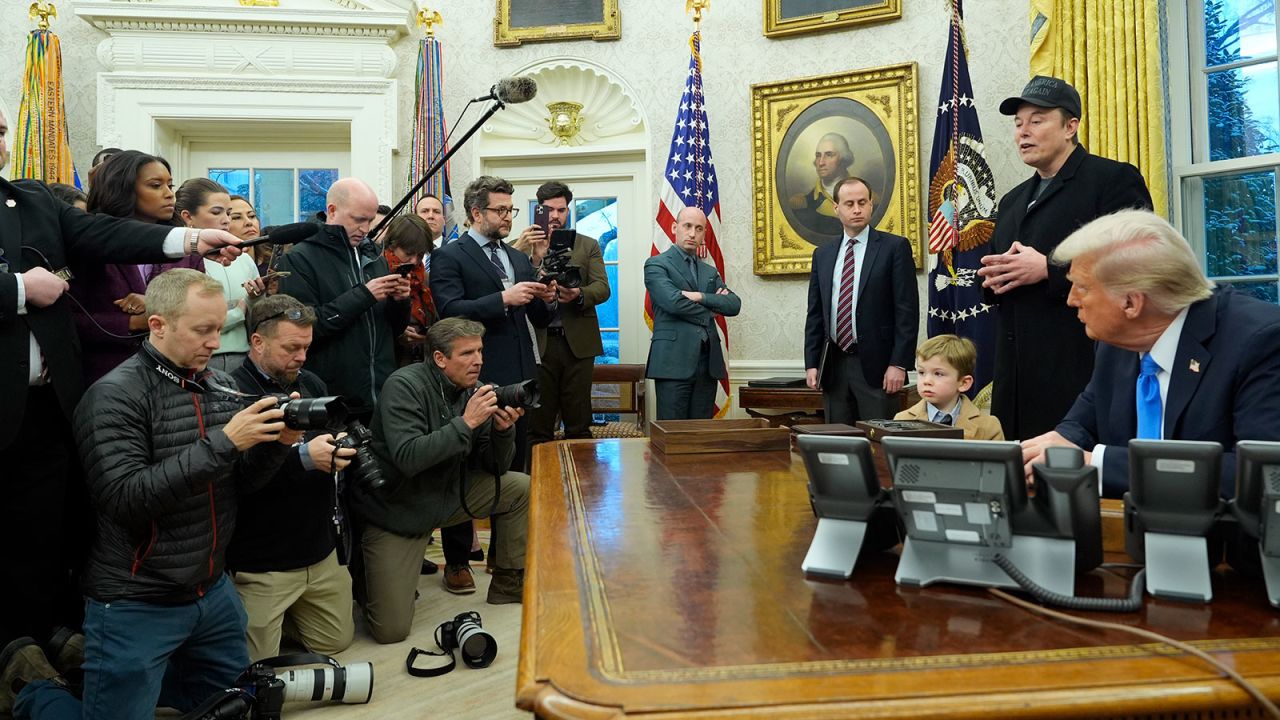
(1047, 92)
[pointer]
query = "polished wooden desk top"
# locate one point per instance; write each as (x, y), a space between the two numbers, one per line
(671, 587)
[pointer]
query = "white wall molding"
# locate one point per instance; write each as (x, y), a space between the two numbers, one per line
(369, 18)
(324, 61)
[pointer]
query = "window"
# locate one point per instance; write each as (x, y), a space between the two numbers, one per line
(279, 195)
(1225, 178)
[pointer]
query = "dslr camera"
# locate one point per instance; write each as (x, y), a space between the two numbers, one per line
(516, 395)
(326, 413)
(462, 633)
(261, 691)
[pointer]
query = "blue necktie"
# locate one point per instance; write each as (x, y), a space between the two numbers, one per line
(943, 418)
(1149, 409)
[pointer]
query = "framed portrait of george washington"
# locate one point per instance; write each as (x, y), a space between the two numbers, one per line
(810, 133)
(792, 17)
(520, 21)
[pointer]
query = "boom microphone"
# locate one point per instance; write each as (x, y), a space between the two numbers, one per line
(510, 91)
(283, 235)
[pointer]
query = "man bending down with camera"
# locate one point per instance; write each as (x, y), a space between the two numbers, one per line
(441, 442)
(284, 557)
(165, 461)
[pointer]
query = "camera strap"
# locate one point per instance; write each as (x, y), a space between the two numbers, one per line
(166, 370)
(429, 672)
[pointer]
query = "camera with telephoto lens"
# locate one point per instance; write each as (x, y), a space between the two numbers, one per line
(364, 468)
(263, 689)
(516, 395)
(465, 634)
(310, 413)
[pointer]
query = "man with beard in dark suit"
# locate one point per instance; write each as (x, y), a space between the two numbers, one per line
(42, 381)
(1043, 358)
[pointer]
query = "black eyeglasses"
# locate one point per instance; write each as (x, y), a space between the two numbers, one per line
(505, 211)
(291, 314)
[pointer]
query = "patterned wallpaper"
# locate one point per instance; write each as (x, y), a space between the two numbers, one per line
(652, 57)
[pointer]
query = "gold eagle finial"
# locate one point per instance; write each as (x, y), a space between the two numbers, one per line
(428, 19)
(43, 12)
(697, 7)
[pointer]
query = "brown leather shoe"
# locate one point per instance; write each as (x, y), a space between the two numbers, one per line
(507, 586)
(458, 580)
(22, 662)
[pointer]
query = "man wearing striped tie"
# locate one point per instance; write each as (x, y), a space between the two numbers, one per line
(863, 316)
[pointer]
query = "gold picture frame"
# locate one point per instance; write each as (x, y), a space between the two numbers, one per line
(567, 20)
(868, 121)
(792, 17)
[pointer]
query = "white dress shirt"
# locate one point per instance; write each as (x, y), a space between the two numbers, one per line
(859, 253)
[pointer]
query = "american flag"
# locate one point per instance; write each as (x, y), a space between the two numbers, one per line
(690, 181)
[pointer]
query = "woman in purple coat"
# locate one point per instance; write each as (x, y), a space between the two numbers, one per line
(112, 318)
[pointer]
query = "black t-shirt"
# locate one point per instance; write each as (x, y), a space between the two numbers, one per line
(288, 524)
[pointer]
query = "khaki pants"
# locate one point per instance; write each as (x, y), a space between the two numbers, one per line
(392, 563)
(314, 602)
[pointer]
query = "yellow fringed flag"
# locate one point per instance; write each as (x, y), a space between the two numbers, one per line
(42, 146)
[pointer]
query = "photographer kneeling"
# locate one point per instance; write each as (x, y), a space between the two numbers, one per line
(435, 433)
(285, 555)
(165, 459)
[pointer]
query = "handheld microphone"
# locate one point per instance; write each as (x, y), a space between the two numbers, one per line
(511, 91)
(283, 235)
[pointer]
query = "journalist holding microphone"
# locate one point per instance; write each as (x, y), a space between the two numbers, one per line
(442, 442)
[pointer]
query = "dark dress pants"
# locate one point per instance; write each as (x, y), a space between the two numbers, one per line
(564, 380)
(847, 397)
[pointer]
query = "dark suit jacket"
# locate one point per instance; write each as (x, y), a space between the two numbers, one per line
(464, 283)
(60, 233)
(581, 327)
(888, 312)
(679, 323)
(1223, 387)
(1043, 358)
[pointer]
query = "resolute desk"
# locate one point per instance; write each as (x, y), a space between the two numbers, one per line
(670, 587)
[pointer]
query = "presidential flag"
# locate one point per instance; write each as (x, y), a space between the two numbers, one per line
(690, 181)
(962, 210)
(42, 146)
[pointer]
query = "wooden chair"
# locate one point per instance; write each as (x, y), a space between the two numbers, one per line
(619, 389)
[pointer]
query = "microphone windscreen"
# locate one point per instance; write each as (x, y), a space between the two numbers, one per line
(293, 232)
(516, 90)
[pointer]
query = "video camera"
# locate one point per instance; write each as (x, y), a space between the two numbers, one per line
(261, 692)
(555, 266)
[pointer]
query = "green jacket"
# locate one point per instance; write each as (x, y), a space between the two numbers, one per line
(424, 448)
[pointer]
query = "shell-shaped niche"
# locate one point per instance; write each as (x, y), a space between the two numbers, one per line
(608, 108)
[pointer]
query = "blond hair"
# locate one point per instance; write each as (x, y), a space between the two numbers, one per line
(960, 353)
(1138, 251)
(167, 294)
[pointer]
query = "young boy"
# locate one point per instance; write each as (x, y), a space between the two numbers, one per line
(944, 370)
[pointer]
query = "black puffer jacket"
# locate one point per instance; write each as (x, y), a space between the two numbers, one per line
(354, 350)
(164, 480)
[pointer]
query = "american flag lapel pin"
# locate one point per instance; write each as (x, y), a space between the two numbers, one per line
(1195, 365)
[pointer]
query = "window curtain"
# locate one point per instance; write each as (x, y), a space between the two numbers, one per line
(1110, 50)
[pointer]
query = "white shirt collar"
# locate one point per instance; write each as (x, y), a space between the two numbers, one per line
(1165, 350)
(861, 238)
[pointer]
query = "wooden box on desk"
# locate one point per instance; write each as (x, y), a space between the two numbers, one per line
(679, 437)
(878, 429)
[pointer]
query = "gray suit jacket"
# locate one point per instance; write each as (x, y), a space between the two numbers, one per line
(679, 324)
